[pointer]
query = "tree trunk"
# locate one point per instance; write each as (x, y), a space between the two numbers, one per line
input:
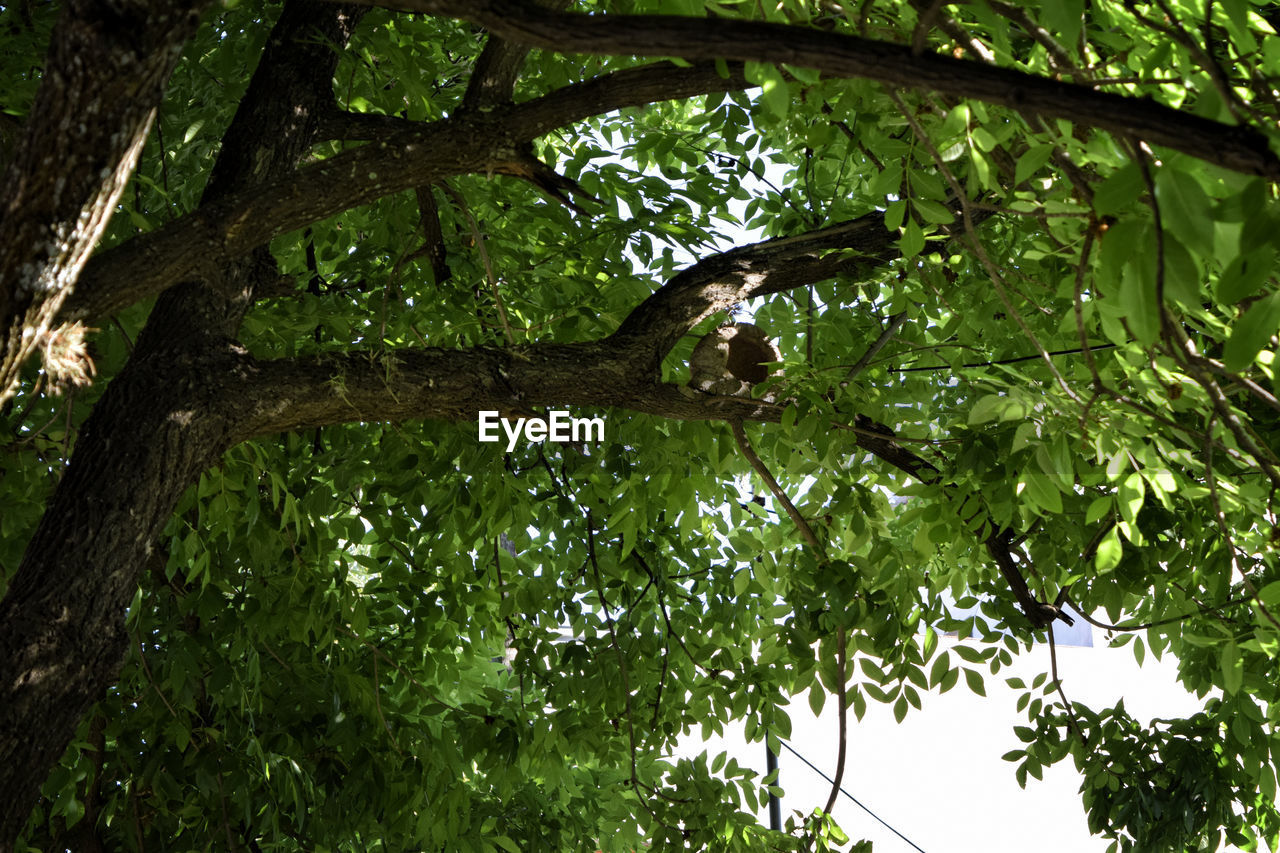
(103, 79)
(62, 621)
(161, 422)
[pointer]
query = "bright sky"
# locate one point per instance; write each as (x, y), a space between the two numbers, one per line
(938, 777)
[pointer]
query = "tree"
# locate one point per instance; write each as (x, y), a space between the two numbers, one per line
(265, 589)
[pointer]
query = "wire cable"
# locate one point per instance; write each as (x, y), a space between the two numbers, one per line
(856, 801)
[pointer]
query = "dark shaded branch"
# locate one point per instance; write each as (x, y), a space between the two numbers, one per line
(895, 323)
(1040, 613)
(527, 167)
(362, 127)
(400, 160)
(1239, 148)
(762, 470)
(771, 266)
(432, 236)
(494, 78)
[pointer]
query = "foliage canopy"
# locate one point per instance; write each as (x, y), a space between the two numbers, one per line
(267, 591)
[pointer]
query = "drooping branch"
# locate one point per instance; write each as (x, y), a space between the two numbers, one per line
(399, 160)
(1239, 148)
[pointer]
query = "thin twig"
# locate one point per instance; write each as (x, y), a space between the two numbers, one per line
(895, 323)
(431, 694)
(1077, 304)
(1072, 722)
(744, 444)
(842, 675)
(484, 258)
(1140, 154)
(1142, 626)
(377, 704)
(613, 641)
(1185, 352)
(146, 668)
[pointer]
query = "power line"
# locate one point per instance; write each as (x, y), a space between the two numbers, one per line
(1015, 360)
(856, 801)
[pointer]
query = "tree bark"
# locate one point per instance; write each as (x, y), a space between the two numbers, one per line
(103, 79)
(62, 620)
(158, 425)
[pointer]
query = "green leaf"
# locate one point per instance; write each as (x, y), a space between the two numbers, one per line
(974, 680)
(1042, 492)
(1137, 301)
(1109, 551)
(817, 699)
(940, 668)
(774, 91)
(1129, 497)
(1252, 332)
(912, 241)
(1118, 191)
(1232, 667)
(894, 214)
(1031, 161)
(932, 211)
(997, 407)
(1184, 208)
(1244, 275)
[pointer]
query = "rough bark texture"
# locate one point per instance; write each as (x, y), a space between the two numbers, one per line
(494, 78)
(103, 79)
(160, 423)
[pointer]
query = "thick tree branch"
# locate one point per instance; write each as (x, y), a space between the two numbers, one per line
(400, 160)
(362, 127)
(494, 78)
(721, 281)
(1239, 148)
(620, 371)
